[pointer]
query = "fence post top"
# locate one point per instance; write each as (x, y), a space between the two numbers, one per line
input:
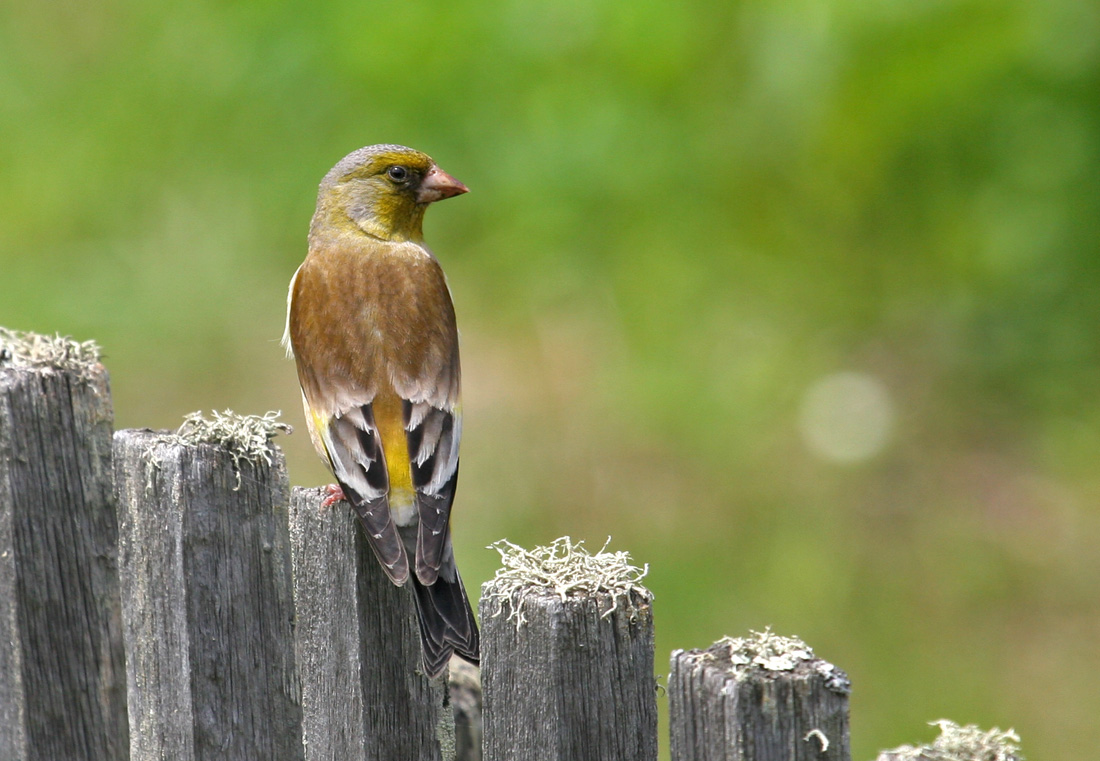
(244, 438)
(565, 569)
(25, 350)
(763, 653)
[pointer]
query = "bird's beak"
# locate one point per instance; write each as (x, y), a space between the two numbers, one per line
(438, 185)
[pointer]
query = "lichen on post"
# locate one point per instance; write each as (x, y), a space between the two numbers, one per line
(62, 673)
(757, 698)
(567, 656)
(961, 743)
(206, 591)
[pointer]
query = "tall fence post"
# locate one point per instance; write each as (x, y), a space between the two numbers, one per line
(759, 698)
(206, 593)
(364, 696)
(567, 657)
(62, 672)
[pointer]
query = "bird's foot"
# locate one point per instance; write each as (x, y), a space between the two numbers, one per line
(333, 494)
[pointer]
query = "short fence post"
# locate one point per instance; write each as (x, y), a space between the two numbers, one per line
(206, 592)
(364, 696)
(465, 681)
(567, 658)
(62, 672)
(762, 698)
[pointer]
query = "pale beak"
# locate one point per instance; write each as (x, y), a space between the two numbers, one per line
(438, 185)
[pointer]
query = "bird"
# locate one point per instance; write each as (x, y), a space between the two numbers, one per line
(371, 326)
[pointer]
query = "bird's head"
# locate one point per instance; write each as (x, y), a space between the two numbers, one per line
(383, 191)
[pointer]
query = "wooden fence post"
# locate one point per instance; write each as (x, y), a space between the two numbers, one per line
(762, 698)
(62, 672)
(364, 696)
(206, 593)
(567, 657)
(465, 682)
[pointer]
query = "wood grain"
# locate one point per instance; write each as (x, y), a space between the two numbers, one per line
(206, 593)
(722, 712)
(364, 695)
(569, 683)
(62, 672)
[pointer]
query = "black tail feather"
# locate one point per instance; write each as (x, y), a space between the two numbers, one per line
(447, 623)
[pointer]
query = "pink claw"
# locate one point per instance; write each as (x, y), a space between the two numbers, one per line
(334, 494)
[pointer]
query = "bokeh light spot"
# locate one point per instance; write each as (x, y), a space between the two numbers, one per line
(846, 417)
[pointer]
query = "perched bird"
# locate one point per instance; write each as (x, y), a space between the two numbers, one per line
(372, 329)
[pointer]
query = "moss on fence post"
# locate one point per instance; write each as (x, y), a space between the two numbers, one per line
(567, 657)
(62, 675)
(757, 698)
(206, 591)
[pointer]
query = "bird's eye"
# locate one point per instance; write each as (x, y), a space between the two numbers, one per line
(397, 173)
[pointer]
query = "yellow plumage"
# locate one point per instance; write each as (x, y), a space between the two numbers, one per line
(389, 419)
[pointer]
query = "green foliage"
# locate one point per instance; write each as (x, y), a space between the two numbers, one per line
(684, 217)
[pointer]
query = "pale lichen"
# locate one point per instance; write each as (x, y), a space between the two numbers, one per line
(245, 438)
(565, 569)
(743, 657)
(962, 743)
(817, 734)
(766, 650)
(20, 349)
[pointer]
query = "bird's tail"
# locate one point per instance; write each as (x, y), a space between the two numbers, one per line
(447, 623)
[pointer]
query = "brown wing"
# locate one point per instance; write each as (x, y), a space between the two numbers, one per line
(370, 318)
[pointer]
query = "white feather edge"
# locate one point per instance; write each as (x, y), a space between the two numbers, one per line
(290, 298)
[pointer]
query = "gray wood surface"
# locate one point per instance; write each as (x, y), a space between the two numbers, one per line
(721, 712)
(62, 673)
(364, 695)
(465, 683)
(569, 683)
(207, 602)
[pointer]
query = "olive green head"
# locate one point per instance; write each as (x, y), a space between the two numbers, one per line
(382, 191)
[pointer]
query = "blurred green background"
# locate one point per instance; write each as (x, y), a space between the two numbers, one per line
(797, 301)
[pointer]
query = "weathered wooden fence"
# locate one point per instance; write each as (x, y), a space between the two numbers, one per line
(169, 596)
